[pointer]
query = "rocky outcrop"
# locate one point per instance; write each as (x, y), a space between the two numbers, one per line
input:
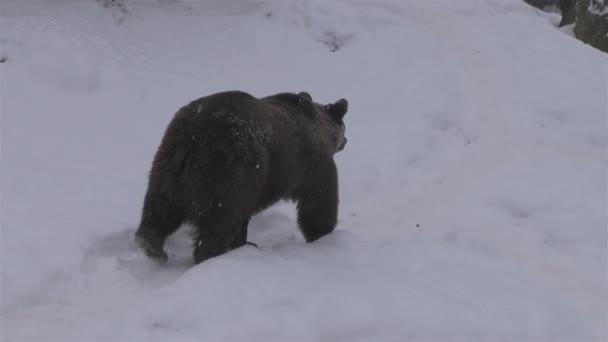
(543, 3)
(591, 23)
(568, 8)
(589, 16)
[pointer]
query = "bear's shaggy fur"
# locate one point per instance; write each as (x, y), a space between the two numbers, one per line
(226, 156)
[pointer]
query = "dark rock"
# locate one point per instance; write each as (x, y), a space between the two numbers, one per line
(592, 23)
(590, 18)
(568, 8)
(543, 3)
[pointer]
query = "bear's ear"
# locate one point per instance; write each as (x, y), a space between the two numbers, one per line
(305, 95)
(338, 109)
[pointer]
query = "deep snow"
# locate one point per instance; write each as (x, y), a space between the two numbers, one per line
(473, 188)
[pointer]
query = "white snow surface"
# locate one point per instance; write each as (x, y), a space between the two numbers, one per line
(473, 185)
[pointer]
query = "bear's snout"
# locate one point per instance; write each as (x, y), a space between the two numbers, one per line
(341, 147)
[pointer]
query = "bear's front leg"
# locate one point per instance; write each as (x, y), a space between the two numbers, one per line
(318, 204)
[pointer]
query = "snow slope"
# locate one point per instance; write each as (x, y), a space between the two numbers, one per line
(473, 188)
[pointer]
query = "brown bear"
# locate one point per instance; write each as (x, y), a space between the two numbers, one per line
(227, 156)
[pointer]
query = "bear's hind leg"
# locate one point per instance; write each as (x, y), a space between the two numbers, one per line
(210, 245)
(213, 239)
(318, 205)
(241, 239)
(160, 218)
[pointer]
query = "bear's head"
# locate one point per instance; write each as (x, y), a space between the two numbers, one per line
(332, 116)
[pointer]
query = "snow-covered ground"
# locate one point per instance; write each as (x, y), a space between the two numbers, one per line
(473, 187)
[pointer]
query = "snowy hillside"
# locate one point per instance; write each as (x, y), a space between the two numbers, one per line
(473, 187)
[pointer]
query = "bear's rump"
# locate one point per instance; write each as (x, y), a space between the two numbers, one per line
(227, 174)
